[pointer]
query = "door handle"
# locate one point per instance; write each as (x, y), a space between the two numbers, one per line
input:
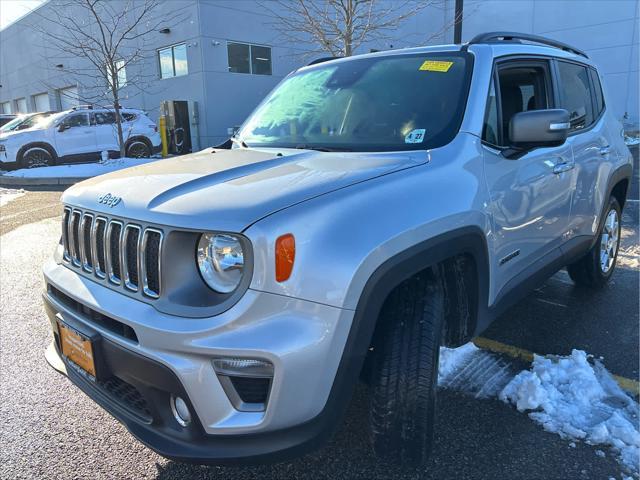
(606, 150)
(563, 167)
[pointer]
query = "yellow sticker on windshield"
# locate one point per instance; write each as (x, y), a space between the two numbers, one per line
(435, 66)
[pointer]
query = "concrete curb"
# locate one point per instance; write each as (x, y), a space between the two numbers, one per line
(6, 181)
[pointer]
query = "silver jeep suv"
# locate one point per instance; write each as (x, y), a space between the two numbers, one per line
(222, 305)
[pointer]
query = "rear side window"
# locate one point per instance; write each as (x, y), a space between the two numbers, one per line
(77, 120)
(575, 94)
(105, 118)
(597, 90)
(129, 117)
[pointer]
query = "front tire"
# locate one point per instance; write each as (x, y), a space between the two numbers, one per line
(36, 156)
(595, 269)
(405, 371)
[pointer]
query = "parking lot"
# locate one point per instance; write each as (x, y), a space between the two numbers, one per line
(50, 429)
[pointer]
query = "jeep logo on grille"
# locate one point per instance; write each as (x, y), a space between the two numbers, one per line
(109, 200)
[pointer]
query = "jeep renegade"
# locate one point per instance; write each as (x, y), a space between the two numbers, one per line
(222, 305)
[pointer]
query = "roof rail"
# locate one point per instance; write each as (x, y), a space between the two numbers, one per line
(321, 60)
(494, 37)
(82, 107)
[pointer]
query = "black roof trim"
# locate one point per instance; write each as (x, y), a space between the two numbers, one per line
(321, 60)
(495, 37)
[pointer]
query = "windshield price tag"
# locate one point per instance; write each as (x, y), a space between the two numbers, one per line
(435, 66)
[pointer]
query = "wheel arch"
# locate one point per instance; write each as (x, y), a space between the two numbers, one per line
(445, 254)
(39, 144)
(617, 186)
(138, 138)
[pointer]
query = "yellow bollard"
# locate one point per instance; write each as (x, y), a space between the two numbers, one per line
(162, 125)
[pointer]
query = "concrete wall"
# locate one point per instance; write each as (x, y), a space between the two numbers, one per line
(606, 30)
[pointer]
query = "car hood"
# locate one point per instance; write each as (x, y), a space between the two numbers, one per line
(229, 190)
(13, 134)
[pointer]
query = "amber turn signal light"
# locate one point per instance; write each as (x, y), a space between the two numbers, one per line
(285, 256)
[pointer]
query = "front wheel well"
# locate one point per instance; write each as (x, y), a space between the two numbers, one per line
(29, 146)
(619, 191)
(458, 276)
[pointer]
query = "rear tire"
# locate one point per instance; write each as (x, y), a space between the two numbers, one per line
(405, 371)
(138, 149)
(595, 269)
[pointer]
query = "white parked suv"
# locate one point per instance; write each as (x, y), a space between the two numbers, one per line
(78, 135)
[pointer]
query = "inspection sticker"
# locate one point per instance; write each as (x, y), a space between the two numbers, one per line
(415, 136)
(435, 66)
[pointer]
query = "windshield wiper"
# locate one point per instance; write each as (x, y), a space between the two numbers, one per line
(321, 149)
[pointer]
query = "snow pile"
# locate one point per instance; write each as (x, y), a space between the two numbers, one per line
(451, 359)
(577, 399)
(7, 195)
(632, 140)
(79, 170)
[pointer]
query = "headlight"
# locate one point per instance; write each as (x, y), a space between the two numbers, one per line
(221, 261)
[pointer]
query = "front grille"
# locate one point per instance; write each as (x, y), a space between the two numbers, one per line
(125, 254)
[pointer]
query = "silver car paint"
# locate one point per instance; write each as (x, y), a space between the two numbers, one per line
(393, 201)
(230, 189)
(303, 340)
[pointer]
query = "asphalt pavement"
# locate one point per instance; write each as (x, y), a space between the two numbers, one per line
(50, 429)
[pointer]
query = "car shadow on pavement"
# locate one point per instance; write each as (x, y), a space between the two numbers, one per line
(475, 439)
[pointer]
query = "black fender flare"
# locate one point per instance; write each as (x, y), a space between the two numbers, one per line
(470, 240)
(623, 172)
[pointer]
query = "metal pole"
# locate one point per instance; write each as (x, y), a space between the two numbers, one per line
(457, 27)
(162, 125)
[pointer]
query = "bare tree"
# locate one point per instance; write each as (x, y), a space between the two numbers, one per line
(100, 39)
(340, 27)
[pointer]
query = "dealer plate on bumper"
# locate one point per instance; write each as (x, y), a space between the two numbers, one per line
(77, 348)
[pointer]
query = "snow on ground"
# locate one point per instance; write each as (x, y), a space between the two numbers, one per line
(632, 140)
(577, 398)
(573, 396)
(7, 195)
(82, 170)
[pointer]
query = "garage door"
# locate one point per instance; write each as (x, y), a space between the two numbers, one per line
(69, 98)
(41, 102)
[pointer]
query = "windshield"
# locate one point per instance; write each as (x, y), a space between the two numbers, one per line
(401, 102)
(25, 121)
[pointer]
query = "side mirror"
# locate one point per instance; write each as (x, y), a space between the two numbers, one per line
(62, 127)
(539, 128)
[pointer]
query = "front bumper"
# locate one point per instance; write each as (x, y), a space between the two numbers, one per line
(171, 355)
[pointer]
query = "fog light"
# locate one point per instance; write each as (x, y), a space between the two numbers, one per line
(180, 411)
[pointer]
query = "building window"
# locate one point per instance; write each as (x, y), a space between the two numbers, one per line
(173, 61)
(245, 58)
(6, 107)
(41, 102)
(121, 73)
(21, 105)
